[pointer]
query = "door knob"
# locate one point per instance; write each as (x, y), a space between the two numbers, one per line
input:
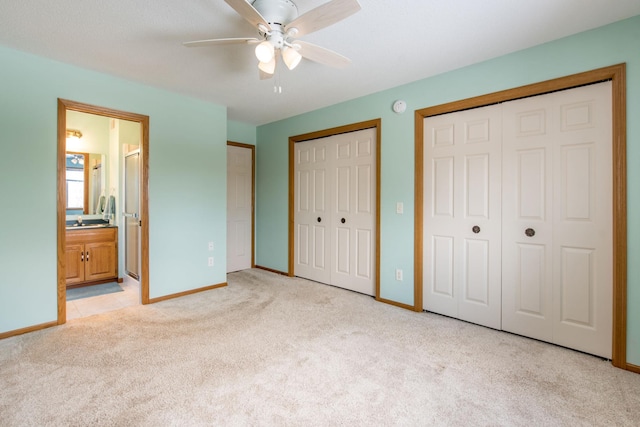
(81, 256)
(475, 229)
(343, 220)
(530, 232)
(319, 219)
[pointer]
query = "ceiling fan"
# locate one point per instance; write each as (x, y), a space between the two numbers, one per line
(278, 25)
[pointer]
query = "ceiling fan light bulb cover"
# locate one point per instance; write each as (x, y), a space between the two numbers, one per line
(265, 52)
(268, 67)
(291, 57)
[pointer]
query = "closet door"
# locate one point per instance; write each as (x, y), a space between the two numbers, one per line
(527, 212)
(312, 213)
(462, 255)
(583, 221)
(334, 230)
(353, 208)
(558, 218)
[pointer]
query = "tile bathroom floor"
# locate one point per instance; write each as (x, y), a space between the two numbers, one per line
(103, 303)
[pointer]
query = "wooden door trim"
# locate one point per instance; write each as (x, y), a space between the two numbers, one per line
(369, 124)
(253, 194)
(617, 75)
(67, 105)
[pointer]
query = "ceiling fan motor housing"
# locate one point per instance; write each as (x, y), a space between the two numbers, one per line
(279, 12)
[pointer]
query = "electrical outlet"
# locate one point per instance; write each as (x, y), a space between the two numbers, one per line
(210, 262)
(399, 208)
(210, 246)
(398, 274)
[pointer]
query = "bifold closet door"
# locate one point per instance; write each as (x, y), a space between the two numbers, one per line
(557, 218)
(518, 217)
(334, 224)
(312, 214)
(353, 207)
(462, 257)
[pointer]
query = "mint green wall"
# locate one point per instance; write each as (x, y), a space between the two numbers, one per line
(601, 47)
(241, 132)
(187, 183)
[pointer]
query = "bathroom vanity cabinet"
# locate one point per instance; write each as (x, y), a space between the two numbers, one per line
(91, 255)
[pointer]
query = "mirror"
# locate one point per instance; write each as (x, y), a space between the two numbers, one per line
(85, 177)
(87, 169)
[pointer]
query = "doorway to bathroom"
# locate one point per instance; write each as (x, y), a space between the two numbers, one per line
(103, 250)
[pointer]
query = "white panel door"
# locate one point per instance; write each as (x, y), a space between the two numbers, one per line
(527, 212)
(353, 210)
(558, 218)
(312, 215)
(239, 207)
(462, 256)
(583, 218)
(334, 224)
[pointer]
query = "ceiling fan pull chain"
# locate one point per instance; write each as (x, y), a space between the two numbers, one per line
(277, 87)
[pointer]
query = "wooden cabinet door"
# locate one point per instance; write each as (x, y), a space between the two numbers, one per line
(100, 260)
(74, 255)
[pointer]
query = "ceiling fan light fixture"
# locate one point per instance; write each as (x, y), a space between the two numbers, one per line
(265, 51)
(268, 67)
(291, 57)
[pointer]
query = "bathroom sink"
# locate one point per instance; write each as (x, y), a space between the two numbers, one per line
(74, 227)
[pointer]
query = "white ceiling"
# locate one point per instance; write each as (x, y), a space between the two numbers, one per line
(389, 42)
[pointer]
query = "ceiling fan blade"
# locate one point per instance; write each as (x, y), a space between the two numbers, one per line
(323, 16)
(249, 13)
(214, 42)
(321, 55)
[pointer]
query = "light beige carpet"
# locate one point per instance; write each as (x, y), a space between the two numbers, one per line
(269, 350)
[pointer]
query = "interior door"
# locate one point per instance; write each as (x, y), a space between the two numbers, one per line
(239, 208)
(312, 214)
(583, 220)
(353, 210)
(558, 218)
(528, 219)
(132, 213)
(334, 229)
(462, 233)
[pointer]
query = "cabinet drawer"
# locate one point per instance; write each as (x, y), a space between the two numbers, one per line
(92, 235)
